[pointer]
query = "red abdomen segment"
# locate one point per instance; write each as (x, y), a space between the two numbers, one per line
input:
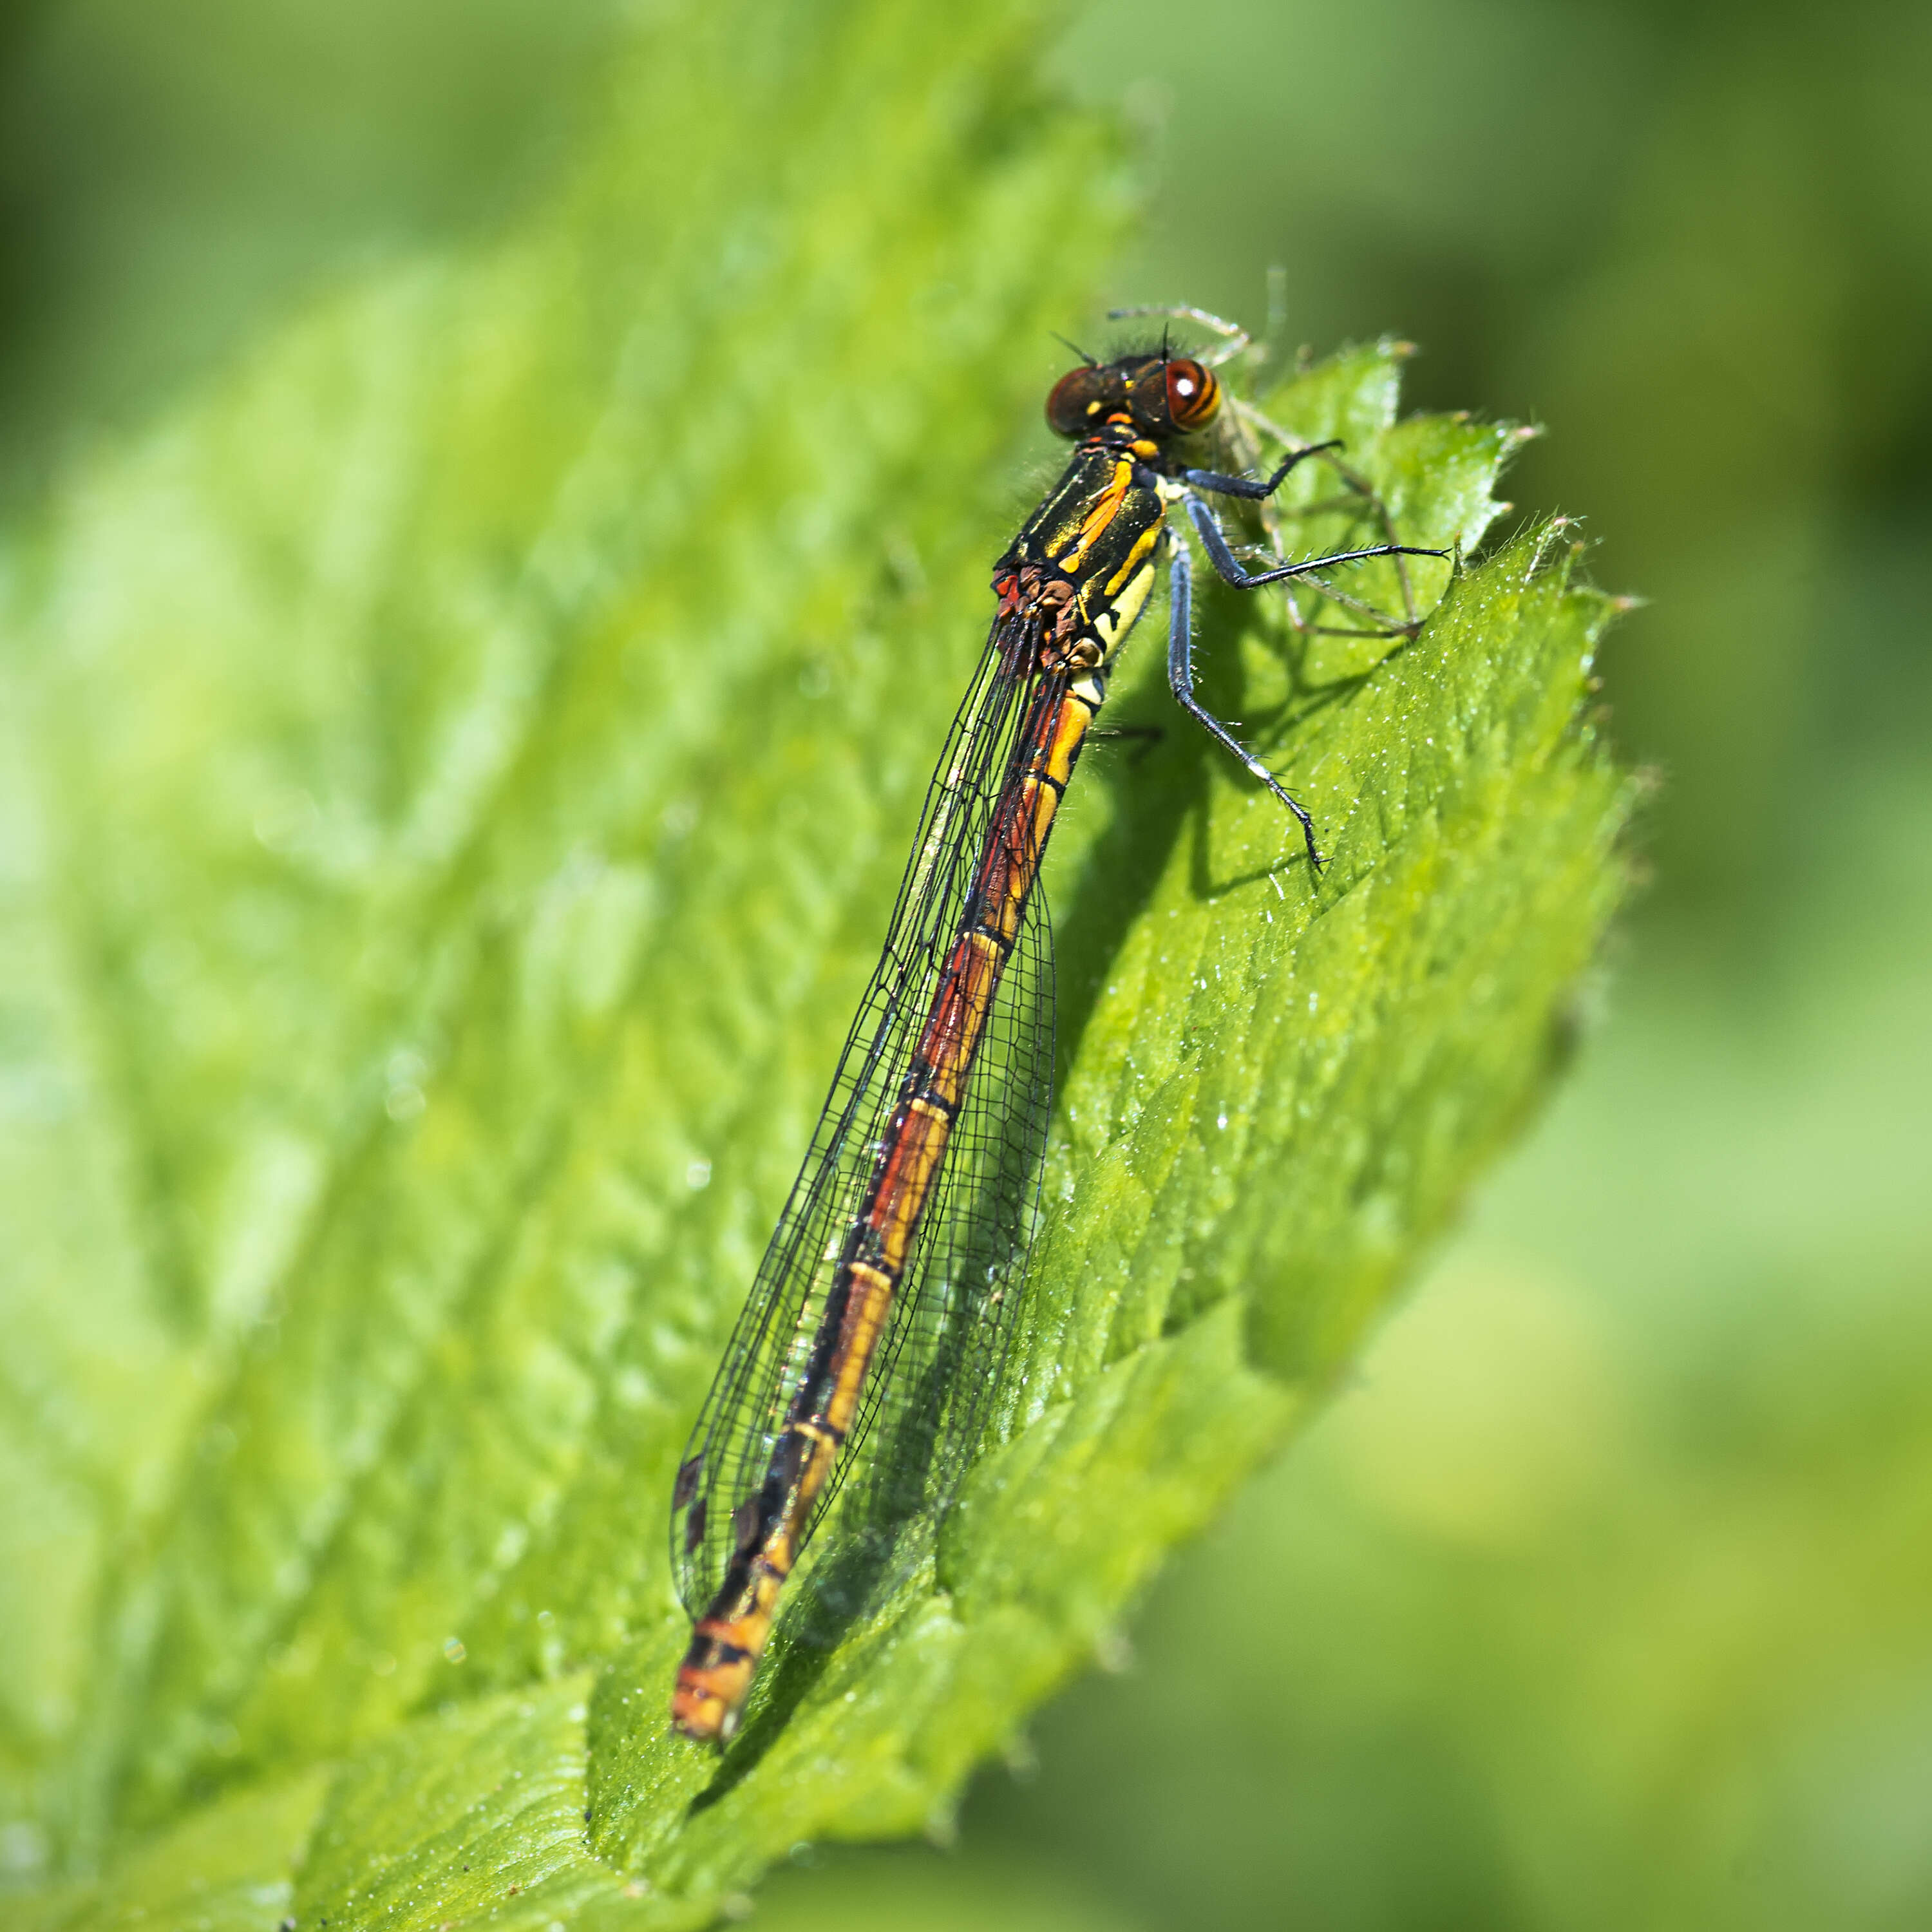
(727, 1641)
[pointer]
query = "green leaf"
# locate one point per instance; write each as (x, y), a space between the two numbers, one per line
(455, 771)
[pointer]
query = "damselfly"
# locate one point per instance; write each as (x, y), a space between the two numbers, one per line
(882, 1305)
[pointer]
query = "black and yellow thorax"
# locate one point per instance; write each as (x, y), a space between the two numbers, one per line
(1084, 562)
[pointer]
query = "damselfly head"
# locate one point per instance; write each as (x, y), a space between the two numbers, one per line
(1157, 396)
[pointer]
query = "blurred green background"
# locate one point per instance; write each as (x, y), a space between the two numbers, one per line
(1604, 1598)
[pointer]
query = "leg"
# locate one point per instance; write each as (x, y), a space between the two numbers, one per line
(1224, 560)
(1249, 487)
(1244, 419)
(1180, 681)
(1233, 337)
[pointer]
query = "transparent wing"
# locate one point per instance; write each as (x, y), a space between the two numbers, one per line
(732, 1442)
(928, 1398)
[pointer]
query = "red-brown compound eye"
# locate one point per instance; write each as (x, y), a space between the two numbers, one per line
(1193, 395)
(1080, 399)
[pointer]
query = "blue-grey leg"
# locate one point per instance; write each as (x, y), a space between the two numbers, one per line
(1252, 486)
(1180, 681)
(1225, 563)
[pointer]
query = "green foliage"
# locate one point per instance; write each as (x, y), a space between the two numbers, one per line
(456, 770)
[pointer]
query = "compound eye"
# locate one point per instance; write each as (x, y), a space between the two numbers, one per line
(1193, 395)
(1078, 401)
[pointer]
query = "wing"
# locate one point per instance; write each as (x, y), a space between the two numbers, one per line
(732, 1442)
(928, 1400)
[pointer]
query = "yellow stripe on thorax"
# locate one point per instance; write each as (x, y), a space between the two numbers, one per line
(1106, 508)
(1144, 542)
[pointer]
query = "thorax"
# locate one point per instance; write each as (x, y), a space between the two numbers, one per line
(1082, 566)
